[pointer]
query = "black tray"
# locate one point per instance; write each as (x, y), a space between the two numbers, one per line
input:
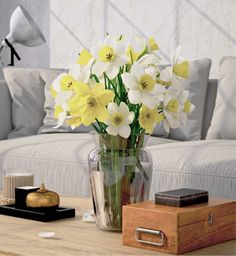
(59, 213)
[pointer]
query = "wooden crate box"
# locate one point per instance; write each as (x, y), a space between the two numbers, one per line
(178, 230)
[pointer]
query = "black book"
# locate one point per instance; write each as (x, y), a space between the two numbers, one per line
(181, 197)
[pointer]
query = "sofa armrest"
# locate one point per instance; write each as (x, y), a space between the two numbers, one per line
(5, 111)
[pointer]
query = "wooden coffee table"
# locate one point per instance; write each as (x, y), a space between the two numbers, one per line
(19, 237)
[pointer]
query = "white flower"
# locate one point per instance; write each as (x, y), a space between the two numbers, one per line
(172, 105)
(179, 69)
(67, 84)
(109, 56)
(63, 89)
(142, 87)
(188, 107)
(119, 119)
(176, 108)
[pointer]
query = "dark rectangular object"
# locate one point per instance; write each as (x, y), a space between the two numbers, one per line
(181, 197)
(60, 213)
(21, 194)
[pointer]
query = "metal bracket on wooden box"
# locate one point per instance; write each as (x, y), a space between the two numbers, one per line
(149, 231)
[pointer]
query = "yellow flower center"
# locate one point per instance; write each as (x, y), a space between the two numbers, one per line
(146, 83)
(106, 54)
(92, 103)
(148, 116)
(187, 106)
(173, 105)
(67, 83)
(117, 119)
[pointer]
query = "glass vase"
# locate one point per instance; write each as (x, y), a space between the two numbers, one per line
(120, 174)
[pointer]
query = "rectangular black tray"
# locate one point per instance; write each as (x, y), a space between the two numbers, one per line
(181, 197)
(60, 213)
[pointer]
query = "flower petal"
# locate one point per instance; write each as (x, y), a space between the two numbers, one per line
(63, 97)
(123, 109)
(148, 100)
(82, 90)
(129, 81)
(166, 74)
(134, 96)
(100, 67)
(75, 71)
(112, 130)
(130, 118)
(112, 70)
(102, 114)
(87, 119)
(124, 131)
(119, 61)
(112, 107)
(105, 97)
(166, 126)
(137, 71)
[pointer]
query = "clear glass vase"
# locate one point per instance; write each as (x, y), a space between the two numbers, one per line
(120, 173)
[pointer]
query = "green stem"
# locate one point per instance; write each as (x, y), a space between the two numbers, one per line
(103, 130)
(96, 128)
(113, 86)
(95, 78)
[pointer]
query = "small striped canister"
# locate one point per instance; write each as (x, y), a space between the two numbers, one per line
(13, 180)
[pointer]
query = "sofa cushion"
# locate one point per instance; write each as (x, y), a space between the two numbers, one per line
(209, 165)
(5, 111)
(27, 91)
(197, 86)
(210, 105)
(49, 122)
(223, 124)
(60, 160)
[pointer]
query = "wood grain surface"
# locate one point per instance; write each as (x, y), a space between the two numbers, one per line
(19, 237)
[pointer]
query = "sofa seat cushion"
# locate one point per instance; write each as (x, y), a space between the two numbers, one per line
(60, 160)
(209, 165)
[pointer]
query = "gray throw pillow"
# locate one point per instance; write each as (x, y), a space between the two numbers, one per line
(223, 123)
(26, 89)
(49, 122)
(197, 85)
(5, 110)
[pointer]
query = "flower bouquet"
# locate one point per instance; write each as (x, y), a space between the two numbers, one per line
(120, 88)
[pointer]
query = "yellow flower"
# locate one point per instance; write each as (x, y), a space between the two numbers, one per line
(68, 83)
(84, 57)
(90, 103)
(152, 44)
(148, 118)
(58, 110)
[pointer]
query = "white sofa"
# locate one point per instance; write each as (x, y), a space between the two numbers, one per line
(60, 160)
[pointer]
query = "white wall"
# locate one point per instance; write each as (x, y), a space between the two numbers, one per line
(39, 9)
(204, 28)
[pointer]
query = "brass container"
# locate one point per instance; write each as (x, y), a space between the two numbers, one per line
(42, 198)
